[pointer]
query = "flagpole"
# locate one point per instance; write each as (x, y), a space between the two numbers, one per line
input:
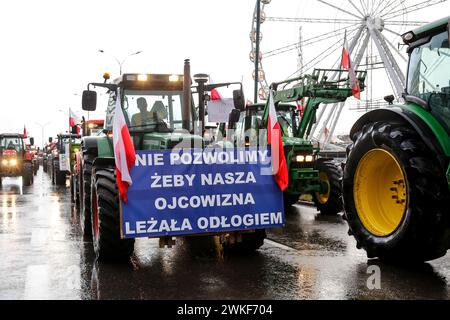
(257, 49)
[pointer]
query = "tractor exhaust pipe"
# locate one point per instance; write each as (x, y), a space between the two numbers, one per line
(187, 97)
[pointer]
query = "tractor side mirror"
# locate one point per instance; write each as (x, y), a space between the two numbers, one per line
(31, 141)
(239, 99)
(233, 118)
(89, 101)
(50, 139)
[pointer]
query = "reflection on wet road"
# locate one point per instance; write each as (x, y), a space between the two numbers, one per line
(43, 256)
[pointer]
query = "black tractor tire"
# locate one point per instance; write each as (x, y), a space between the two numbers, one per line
(251, 242)
(52, 171)
(85, 195)
(290, 199)
(76, 187)
(108, 245)
(72, 189)
(36, 167)
(422, 233)
(27, 175)
(44, 166)
(60, 176)
(334, 174)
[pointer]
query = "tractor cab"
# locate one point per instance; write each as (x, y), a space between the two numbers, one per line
(92, 127)
(156, 111)
(11, 143)
(428, 81)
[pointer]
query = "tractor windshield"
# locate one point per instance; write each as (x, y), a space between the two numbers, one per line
(429, 76)
(159, 111)
(11, 143)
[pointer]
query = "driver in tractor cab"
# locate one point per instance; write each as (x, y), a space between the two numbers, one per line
(144, 117)
(11, 146)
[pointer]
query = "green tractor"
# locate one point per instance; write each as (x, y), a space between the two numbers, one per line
(397, 176)
(160, 114)
(62, 158)
(309, 173)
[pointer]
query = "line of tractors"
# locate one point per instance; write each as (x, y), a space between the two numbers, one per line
(393, 186)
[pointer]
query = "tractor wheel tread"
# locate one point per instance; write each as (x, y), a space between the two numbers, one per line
(109, 246)
(423, 235)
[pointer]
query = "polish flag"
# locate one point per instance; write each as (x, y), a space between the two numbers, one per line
(24, 132)
(73, 118)
(274, 138)
(215, 95)
(346, 63)
(124, 153)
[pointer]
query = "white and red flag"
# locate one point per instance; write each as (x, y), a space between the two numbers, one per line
(347, 64)
(280, 172)
(124, 152)
(24, 132)
(219, 107)
(215, 95)
(74, 119)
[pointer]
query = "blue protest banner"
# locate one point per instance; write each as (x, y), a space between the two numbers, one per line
(194, 191)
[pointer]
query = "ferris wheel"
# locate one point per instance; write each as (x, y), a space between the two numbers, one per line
(280, 49)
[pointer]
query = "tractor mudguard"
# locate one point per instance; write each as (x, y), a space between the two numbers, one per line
(434, 136)
(104, 162)
(89, 145)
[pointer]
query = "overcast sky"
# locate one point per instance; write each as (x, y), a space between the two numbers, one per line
(49, 48)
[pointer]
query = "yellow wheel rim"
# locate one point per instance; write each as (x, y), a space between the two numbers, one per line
(324, 197)
(380, 192)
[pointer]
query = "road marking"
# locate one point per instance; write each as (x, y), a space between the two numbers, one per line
(37, 285)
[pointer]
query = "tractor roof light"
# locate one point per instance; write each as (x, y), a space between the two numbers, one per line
(90, 125)
(408, 37)
(106, 76)
(142, 77)
(174, 78)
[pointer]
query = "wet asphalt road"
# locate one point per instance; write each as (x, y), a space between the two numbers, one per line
(43, 256)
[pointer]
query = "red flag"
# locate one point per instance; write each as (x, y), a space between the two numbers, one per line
(124, 152)
(215, 95)
(346, 63)
(345, 60)
(276, 143)
(24, 132)
(326, 132)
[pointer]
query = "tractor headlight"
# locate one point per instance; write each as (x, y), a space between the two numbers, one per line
(76, 150)
(302, 158)
(13, 162)
(4, 162)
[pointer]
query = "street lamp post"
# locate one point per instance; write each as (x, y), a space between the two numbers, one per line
(120, 63)
(42, 130)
